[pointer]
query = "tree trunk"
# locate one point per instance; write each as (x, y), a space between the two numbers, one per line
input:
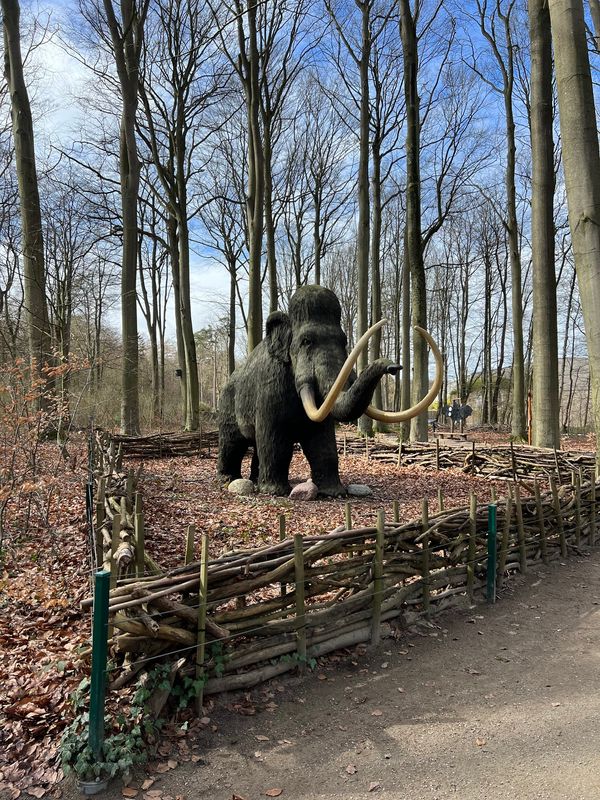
(256, 177)
(546, 410)
(581, 160)
(364, 231)
(175, 277)
(38, 327)
(414, 243)
(192, 419)
(127, 38)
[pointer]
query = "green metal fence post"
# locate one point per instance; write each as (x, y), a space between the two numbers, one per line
(99, 655)
(491, 554)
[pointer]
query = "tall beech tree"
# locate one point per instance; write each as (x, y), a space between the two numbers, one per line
(496, 24)
(34, 275)
(581, 160)
(126, 28)
(545, 336)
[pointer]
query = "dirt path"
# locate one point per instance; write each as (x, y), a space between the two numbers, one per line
(491, 702)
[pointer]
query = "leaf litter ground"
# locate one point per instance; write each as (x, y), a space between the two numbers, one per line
(46, 573)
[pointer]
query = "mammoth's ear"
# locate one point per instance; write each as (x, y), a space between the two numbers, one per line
(279, 336)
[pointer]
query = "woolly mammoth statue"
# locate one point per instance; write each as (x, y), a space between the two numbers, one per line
(295, 385)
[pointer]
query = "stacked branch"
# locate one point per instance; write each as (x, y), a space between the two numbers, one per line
(496, 462)
(162, 445)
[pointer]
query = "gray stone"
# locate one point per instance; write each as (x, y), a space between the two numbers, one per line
(304, 491)
(241, 486)
(359, 490)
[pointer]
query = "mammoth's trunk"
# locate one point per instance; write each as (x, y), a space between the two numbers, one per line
(393, 417)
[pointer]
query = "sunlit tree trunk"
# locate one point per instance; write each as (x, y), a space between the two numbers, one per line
(581, 160)
(127, 38)
(36, 308)
(414, 244)
(545, 417)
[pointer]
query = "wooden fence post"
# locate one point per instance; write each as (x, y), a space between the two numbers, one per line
(577, 491)
(348, 516)
(425, 555)
(140, 560)
(520, 530)
(201, 626)
(559, 517)
(378, 579)
(593, 509)
(541, 521)
(396, 511)
(189, 544)
(472, 547)
(437, 454)
(492, 554)
(282, 535)
(115, 542)
(505, 537)
(440, 499)
(300, 602)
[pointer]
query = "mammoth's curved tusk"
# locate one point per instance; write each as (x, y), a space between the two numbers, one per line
(307, 395)
(422, 405)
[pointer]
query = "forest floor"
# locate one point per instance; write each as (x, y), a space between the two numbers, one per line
(345, 730)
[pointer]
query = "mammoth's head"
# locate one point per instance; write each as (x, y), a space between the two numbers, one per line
(310, 338)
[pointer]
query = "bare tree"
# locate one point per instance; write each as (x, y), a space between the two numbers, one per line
(581, 160)
(545, 337)
(31, 220)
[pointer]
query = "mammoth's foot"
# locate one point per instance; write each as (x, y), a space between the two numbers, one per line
(332, 490)
(273, 487)
(225, 478)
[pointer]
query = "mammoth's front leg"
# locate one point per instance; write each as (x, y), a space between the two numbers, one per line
(320, 448)
(274, 449)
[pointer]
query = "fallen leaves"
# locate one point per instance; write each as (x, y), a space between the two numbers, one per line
(273, 792)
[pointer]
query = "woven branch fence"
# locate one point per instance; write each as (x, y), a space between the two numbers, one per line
(202, 443)
(249, 615)
(515, 462)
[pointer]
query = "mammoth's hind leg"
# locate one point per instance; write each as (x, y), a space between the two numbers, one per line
(232, 445)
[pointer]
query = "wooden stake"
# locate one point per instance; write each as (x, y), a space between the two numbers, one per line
(348, 517)
(520, 530)
(129, 490)
(201, 627)
(189, 544)
(577, 485)
(437, 454)
(541, 521)
(396, 511)
(116, 541)
(140, 559)
(378, 580)
(505, 537)
(472, 547)
(100, 516)
(282, 536)
(367, 447)
(300, 606)
(440, 499)
(559, 517)
(593, 509)
(513, 461)
(399, 452)
(425, 555)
